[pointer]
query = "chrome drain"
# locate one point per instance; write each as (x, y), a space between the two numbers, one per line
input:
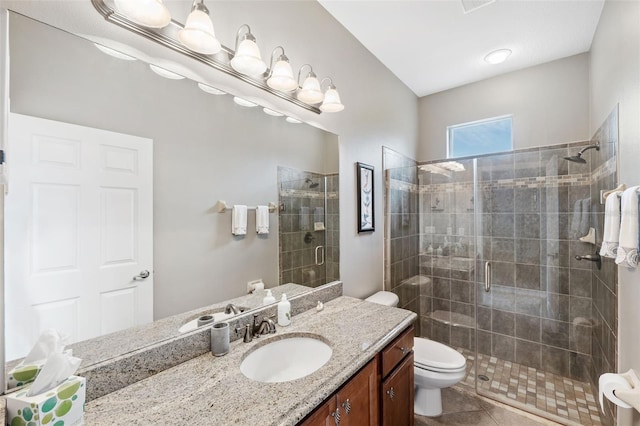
(483, 377)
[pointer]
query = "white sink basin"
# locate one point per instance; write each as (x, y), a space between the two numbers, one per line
(286, 359)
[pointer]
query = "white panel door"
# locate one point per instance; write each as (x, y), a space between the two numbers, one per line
(79, 227)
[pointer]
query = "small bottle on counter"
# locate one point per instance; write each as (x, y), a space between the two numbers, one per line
(284, 311)
(268, 299)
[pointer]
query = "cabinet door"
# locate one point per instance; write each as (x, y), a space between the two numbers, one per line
(324, 415)
(357, 401)
(397, 395)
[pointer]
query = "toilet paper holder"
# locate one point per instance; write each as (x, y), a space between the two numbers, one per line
(630, 397)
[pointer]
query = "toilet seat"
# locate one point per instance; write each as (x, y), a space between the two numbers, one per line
(434, 356)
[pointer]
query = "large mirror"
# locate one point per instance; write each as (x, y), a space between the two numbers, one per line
(115, 170)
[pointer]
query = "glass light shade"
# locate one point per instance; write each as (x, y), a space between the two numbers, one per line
(247, 59)
(198, 34)
(165, 73)
(210, 90)
(111, 52)
(310, 92)
(282, 77)
(293, 120)
(272, 112)
(331, 101)
(243, 102)
(149, 13)
(497, 56)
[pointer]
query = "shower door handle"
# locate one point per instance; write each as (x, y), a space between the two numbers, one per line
(321, 250)
(487, 276)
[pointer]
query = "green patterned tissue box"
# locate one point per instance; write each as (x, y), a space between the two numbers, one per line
(60, 406)
(24, 374)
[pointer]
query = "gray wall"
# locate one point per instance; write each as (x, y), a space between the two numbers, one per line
(615, 79)
(549, 103)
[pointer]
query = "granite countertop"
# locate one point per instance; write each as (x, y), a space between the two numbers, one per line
(208, 390)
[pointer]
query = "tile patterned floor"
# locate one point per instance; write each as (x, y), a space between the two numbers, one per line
(566, 401)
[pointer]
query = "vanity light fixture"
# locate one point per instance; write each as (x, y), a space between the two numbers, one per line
(272, 112)
(292, 120)
(244, 102)
(197, 33)
(196, 39)
(210, 90)
(281, 75)
(310, 92)
(247, 59)
(165, 73)
(331, 102)
(114, 53)
(149, 13)
(497, 56)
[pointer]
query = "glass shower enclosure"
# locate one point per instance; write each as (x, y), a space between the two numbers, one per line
(484, 251)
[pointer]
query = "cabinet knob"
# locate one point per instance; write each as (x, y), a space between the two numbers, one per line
(404, 350)
(336, 416)
(347, 406)
(391, 393)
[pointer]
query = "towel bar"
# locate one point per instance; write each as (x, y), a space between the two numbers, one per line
(221, 207)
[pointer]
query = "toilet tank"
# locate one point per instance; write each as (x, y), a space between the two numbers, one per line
(386, 298)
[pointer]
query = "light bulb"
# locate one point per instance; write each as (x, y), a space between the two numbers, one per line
(247, 59)
(149, 13)
(311, 92)
(331, 101)
(282, 77)
(198, 34)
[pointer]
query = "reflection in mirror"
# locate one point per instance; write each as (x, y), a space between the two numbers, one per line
(124, 126)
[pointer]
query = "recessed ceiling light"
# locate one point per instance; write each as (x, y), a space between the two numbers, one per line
(243, 102)
(109, 51)
(293, 120)
(272, 112)
(165, 73)
(210, 90)
(497, 56)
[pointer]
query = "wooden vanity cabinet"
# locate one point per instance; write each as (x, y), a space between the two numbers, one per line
(381, 393)
(356, 403)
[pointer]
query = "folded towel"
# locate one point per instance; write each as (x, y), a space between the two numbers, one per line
(262, 220)
(611, 234)
(585, 221)
(575, 219)
(304, 218)
(628, 248)
(318, 219)
(239, 220)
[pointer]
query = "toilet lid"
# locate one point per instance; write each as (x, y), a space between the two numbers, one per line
(433, 355)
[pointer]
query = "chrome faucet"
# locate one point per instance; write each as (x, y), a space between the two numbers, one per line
(266, 326)
(232, 308)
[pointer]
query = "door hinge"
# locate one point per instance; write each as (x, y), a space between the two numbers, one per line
(1, 156)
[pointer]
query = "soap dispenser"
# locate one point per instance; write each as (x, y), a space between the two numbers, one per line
(284, 311)
(268, 299)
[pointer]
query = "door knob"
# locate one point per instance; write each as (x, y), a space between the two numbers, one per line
(143, 274)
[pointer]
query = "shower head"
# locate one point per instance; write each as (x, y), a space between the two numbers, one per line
(578, 157)
(311, 183)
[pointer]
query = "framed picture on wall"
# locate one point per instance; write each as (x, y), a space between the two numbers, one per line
(366, 222)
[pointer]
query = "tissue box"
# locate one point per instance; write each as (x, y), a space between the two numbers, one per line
(24, 374)
(62, 405)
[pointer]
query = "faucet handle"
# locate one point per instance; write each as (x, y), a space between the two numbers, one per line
(248, 335)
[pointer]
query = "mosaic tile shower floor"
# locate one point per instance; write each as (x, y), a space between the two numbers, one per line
(569, 400)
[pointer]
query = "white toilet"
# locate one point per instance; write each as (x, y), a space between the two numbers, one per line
(435, 366)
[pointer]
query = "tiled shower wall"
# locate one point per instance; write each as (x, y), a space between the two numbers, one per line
(297, 201)
(604, 290)
(401, 228)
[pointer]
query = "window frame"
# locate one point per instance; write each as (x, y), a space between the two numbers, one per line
(474, 123)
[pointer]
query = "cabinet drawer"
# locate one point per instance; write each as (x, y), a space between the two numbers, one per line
(396, 351)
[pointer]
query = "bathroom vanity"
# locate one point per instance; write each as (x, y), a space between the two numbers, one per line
(371, 358)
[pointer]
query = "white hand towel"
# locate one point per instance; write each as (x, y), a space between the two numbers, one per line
(628, 248)
(575, 219)
(611, 235)
(304, 218)
(239, 220)
(318, 219)
(262, 220)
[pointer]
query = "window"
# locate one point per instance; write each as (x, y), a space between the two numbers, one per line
(479, 137)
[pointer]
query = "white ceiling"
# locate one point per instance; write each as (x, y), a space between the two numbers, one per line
(432, 45)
